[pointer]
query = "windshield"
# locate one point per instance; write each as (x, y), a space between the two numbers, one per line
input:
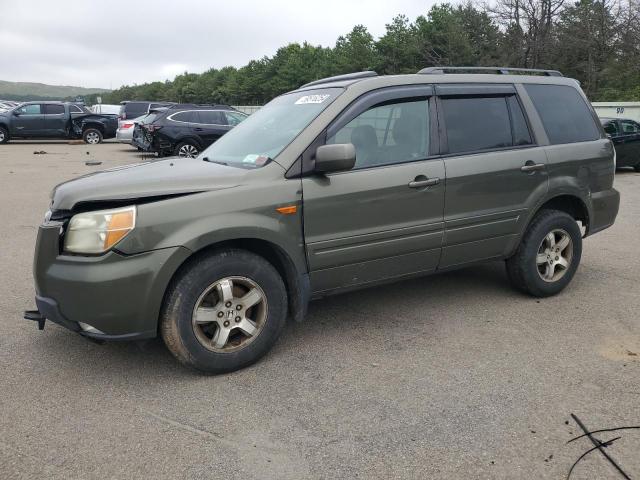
(267, 132)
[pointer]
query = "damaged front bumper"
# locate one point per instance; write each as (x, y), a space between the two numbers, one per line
(107, 297)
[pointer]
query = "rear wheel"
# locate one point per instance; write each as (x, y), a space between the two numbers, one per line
(224, 312)
(548, 255)
(4, 135)
(92, 136)
(187, 150)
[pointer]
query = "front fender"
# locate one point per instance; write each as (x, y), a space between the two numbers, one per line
(201, 220)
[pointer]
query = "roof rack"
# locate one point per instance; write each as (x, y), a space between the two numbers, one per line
(499, 70)
(339, 78)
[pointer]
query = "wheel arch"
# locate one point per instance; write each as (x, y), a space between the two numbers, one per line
(296, 282)
(95, 125)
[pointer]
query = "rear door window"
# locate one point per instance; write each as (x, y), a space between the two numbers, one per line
(211, 117)
(135, 109)
(564, 113)
(52, 109)
(477, 123)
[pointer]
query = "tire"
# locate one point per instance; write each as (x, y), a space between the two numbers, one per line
(636, 167)
(186, 150)
(4, 135)
(197, 345)
(92, 136)
(536, 268)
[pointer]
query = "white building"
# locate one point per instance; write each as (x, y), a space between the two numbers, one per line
(618, 110)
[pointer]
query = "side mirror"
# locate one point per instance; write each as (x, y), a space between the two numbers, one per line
(16, 113)
(333, 158)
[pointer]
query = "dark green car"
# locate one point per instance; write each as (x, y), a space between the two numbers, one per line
(344, 183)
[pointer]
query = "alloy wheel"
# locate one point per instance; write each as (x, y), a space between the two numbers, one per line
(555, 254)
(92, 138)
(229, 314)
(188, 151)
(1, 136)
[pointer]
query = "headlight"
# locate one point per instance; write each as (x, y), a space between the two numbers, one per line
(97, 232)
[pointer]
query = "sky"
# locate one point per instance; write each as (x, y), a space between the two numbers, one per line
(111, 43)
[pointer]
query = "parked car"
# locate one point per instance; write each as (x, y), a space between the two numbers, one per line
(135, 109)
(185, 130)
(625, 135)
(334, 186)
(124, 133)
(55, 120)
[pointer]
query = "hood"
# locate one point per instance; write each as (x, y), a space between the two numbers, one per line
(174, 176)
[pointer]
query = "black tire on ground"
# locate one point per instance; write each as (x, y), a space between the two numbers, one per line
(636, 167)
(186, 149)
(92, 136)
(523, 269)
(4, 135)
(185, 291)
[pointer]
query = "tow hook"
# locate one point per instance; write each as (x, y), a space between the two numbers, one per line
(36, 316)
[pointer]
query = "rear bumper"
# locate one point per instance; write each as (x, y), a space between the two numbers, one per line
(604, 210)
(118, 295)
(123, 137)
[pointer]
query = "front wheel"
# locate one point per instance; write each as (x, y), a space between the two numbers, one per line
(548, 255)
(224, 312)
(4, 135)
(92, 136)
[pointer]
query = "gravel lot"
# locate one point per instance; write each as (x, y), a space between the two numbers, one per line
(449, 376)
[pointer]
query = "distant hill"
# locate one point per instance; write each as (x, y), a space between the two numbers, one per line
(39, 91)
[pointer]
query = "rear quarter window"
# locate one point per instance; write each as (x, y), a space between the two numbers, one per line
(564, 113)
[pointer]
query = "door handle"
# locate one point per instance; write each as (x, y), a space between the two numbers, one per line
(198, 129)
(427, 182)
(529, 166)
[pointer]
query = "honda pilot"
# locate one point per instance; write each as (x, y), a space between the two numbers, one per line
(347, 182)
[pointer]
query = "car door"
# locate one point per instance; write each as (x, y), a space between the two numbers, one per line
(383, 218)
(212, 124)
(629, 145)
(495, 172)
(28, 120)
(55, 120)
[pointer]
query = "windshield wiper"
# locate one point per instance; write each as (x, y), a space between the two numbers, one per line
(219, 162)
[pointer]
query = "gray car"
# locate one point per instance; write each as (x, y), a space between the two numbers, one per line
(347, 182)
(124, 134)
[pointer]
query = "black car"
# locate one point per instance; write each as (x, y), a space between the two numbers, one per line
(35, 120)
(184, 130)
(625, 134)
(134, 109)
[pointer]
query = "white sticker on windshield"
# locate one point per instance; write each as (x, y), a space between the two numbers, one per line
(312, 99)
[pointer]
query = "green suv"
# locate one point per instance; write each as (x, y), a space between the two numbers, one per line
(347, 182)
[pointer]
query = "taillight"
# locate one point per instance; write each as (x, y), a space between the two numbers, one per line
(127, 125)
(151, 127)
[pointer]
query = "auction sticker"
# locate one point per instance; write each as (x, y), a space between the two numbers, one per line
(312, 99)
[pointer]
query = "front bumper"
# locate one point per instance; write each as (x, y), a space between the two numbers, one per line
(118, 295)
